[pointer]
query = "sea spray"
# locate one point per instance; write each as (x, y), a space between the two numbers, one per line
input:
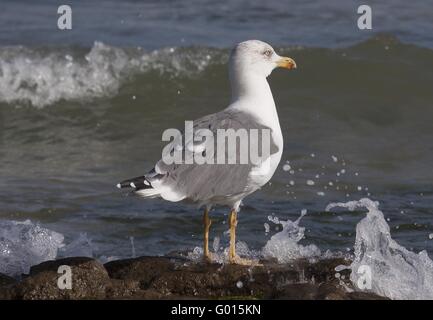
(392, 270)
(23, 244)
(133, 254)
(81, 246)
(284, 245)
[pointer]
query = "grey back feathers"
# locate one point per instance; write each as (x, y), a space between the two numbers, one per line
(210, 182)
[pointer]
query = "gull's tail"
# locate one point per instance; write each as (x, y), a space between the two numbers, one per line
(141, 185)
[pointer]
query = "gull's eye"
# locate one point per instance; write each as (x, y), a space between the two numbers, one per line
(267, 52)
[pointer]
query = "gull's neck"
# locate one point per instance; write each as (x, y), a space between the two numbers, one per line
(247, 85)
(251, 93)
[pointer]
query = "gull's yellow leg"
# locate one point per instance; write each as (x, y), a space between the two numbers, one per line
(233, 221)
(233, 258)
(206, 222)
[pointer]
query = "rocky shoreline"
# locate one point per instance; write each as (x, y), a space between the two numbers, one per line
(179, 278)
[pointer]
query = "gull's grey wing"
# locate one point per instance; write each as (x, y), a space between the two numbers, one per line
(202, 182)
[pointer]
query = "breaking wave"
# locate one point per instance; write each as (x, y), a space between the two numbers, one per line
(48, 75)
(42, 77)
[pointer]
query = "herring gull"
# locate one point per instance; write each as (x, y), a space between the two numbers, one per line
(252, 107)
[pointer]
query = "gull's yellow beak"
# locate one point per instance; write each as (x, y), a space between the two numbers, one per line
(287, 63)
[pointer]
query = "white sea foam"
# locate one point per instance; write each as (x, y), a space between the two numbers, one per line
(396, 272)
(42, 77)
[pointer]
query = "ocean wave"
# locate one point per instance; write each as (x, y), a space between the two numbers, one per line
(45, 76)
(42, 77)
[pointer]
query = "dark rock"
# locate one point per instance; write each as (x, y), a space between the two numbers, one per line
(129, 289)
(89, 281)
(142, 269)
(298, 291)
(169, 278)
(6, 280)
(364, 296)
(6, 283)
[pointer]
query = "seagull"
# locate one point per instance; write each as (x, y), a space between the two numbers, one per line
(208, 184)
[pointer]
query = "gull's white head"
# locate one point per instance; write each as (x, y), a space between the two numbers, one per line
(257, 57)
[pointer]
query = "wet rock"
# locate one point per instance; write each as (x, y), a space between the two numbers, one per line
(89, 281)
(6, 280)
(128, 289)
(142, 269)
(170, 278)
(6, 283)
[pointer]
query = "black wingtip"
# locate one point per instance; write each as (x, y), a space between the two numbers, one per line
(136, 183)
(123, 184)
(129, 183)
